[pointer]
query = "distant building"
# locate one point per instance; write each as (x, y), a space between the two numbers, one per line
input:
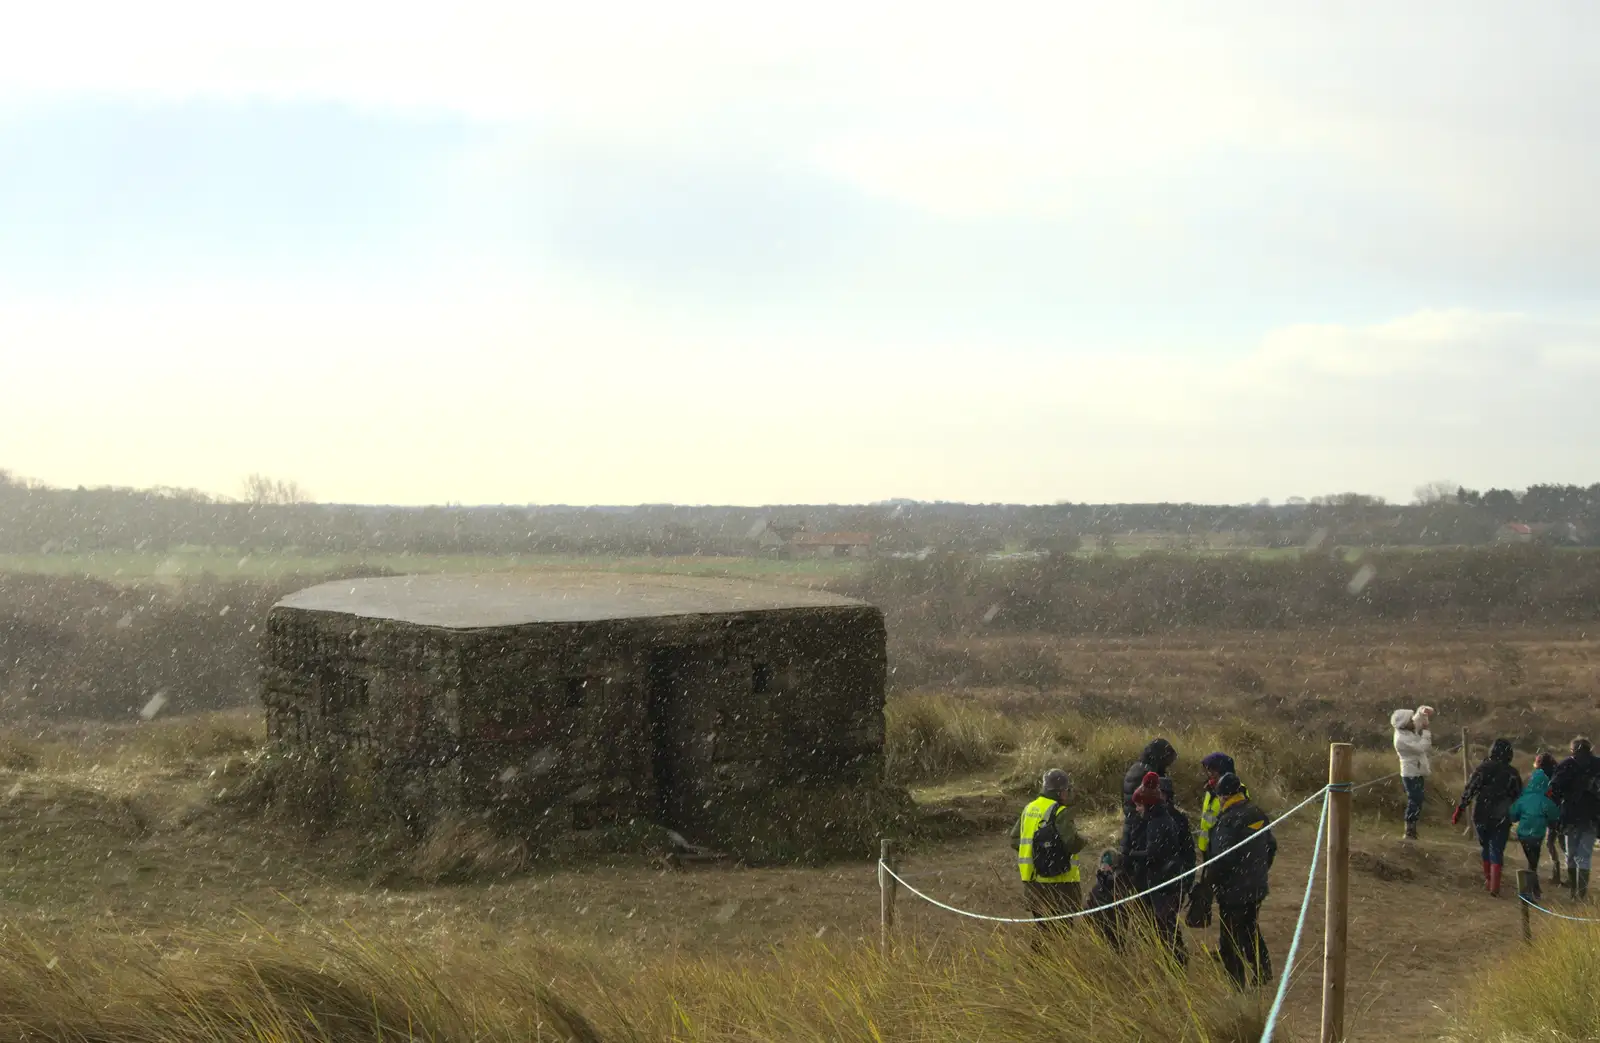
(831, 544)
(572, 702)
(797, 541)
(1514, 532)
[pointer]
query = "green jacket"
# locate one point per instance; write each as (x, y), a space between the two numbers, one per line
(1534, 812)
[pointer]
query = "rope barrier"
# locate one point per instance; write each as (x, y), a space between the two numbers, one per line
(1559, 916)
(1299, 927)
(1109, 905)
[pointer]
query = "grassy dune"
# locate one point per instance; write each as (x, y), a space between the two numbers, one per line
(337, 986)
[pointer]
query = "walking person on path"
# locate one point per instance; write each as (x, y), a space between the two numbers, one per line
(1157, 846)
(1575, 787)
(1238, 882)
(1047, 843)
(1546, 762)
(1413, 743)
(1535, 815)
(1491, 791)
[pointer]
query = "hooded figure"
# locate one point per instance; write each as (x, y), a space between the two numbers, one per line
(1157, 757)
(1534, 813)
(1491, 791)
(1546, 762)
(1413, 742)
(1575, 787)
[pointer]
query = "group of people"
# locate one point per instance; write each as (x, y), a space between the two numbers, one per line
(1557, 808)
(1159, 843)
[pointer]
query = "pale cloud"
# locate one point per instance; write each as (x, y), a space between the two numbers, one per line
(714, 252)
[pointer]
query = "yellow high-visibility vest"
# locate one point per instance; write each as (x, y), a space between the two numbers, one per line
(1032, 817)
(1210, 808)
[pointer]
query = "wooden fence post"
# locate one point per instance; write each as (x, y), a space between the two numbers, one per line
(1336, 927)
(887, 886)
(1527, 880)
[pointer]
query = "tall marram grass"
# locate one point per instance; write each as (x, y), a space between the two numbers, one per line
(329, 987)
(934, 737)
(930, 737)
(1546, 993)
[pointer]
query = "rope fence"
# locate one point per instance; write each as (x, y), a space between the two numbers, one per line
(1334, 828)
(1558, 916)
(1099, 908)
(1299, 927)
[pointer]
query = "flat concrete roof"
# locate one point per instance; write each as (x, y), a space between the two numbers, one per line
(470, 602)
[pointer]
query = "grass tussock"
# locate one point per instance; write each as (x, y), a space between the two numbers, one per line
(1543, 993)
(329, 987)
(931, 737)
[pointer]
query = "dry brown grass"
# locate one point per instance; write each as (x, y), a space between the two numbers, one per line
(337, 986)
(1545, 993)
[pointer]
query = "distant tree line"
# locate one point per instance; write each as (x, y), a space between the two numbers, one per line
(276, 515)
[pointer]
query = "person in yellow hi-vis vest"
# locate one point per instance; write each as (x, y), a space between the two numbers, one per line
(1216, 766)
(1047, 843)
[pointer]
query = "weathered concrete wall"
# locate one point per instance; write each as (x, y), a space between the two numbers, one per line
(701, 723)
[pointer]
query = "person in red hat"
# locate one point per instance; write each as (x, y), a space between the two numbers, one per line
(1156, 848)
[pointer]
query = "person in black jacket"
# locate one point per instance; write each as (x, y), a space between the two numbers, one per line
(1237, 881)
(1575, 787)
(1493, 788)
(1156, 847)
(1158, 757)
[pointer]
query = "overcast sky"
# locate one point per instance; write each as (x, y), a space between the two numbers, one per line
(692, 252)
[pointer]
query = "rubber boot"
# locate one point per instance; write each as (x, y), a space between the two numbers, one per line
(1486, 868)
(1572, 882)
(1411, 831)
(1555, 871)
(1494, 880)
(1583, 885)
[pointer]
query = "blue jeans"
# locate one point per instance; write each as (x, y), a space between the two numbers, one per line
(1492, 840)
(1580, 847)
(1414, 795)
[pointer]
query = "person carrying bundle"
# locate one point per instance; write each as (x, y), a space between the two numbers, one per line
(1413, 742)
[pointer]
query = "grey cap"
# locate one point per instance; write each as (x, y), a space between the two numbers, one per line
(1055, 781)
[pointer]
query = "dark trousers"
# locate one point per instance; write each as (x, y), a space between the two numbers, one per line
(1416, 791)
(1492, 842)
(1051, 900)
(1163, 910)
(1531, 850)
(1242, 944)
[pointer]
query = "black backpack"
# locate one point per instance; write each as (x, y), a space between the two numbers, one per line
(1050, 856)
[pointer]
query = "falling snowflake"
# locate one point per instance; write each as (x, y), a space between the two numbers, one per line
(1363, 576)
(154, 706)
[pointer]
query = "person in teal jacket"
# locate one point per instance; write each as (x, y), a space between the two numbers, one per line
(1534, 813)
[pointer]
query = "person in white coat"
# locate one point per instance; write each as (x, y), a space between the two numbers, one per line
(1413, 741)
